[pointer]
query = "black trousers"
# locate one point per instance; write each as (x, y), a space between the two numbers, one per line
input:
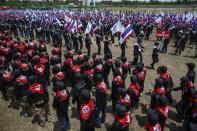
(135, 60)
(99, 48)
(88, 47)
(81, 45)
(76, 47)
(123, 52)
(155, 60)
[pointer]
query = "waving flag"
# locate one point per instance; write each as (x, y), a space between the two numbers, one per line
(158, 20)
(71, 25)
(57, 21)
(126, 33)
(74, 29)
(67, 19)
(80, 25)
(88, 28)
(94, 27)
(66, 25)
(117, 27)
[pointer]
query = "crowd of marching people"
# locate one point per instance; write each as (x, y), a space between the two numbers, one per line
(27, 70)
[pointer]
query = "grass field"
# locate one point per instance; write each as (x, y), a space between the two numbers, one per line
(10, 119)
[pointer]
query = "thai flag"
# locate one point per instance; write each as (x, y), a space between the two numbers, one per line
(126, 33)
(94, 27)
(57, 21)
(71, 25)
(80, 25)
(47, 22)
(67, 19)
(66, 25)
(74, 29)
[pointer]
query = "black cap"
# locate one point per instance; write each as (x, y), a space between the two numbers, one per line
(163, 100)
(117, 72)
(60, 85)
(140, 66)
(156, 43)
(78, 76)
(117, 63)
(122, 91)
(123, 59)
(120, 110)
(190, 65)
(184, 79)
(98, 77)
(159, 82)
(133, 79)
(152, 116)
(85, 95)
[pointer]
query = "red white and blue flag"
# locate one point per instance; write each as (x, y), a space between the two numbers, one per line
(80, 25)
(126, 33)
(74, 29)
(67, 19)
(94, 27)
(71, 25)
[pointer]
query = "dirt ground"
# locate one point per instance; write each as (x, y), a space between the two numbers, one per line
(10, 119)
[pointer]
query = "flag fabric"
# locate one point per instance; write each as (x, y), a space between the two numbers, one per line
(57, 21)
(117, 27)
(74, 29)
(88, 28)
(66, 25)
(94, 27)
(71, 25)
(80, 25)
(126, 33)
(158, 20)
(67, 19)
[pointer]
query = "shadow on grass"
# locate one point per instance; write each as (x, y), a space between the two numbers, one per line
(193, 57)
(109, 109)
(173, 116)
(148, 67)
(172, 53)
(173, 127)
(56, 127)
(74, 113)
(143, 108)
(142, 120)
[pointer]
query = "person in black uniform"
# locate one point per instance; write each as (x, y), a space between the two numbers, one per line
(148, 31)
(186, 87)
(107, 67)
(155, 55)
(123, 46)
(75, 42)
(191, 74)
(80, 40)
(88, 43)
(87, 112)
(180, 45)
(190, 120)
(60, 104)
(165, 45)
(99, 38)
(121, 121)
(137, 52)
(101, 99)
(67, 39)
(107, 50)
